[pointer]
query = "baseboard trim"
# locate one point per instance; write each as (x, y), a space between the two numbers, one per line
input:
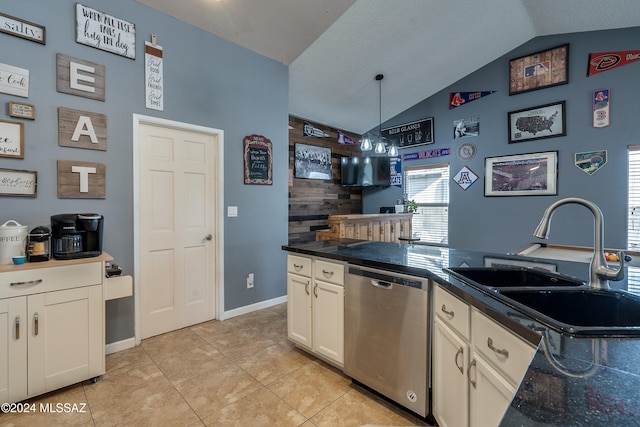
(252, 307)
(117, 346)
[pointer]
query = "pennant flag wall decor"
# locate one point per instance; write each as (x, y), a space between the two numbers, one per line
(343, 138)
(456, 99)
(604, 61)
(311, 130)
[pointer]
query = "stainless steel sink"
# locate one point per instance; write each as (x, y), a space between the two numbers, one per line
(501, 277)
(581, 311)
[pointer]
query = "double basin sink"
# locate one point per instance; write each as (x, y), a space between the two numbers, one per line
(560, 302)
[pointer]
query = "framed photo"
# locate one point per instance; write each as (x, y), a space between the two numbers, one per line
(312, 162)
(11, 139)
(534, 174)
(15, 182)
(23, 29)
(543, 121)
(257, 160)
(22, 110)
(539, 70)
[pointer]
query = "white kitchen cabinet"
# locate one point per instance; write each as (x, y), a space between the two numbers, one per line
(52, 326)
(449, 382)
(315, 307)
(477, 364)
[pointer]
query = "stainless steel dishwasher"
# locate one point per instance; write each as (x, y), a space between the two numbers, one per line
(387, 342)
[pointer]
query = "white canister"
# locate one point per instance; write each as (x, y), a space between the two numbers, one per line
(13, 238)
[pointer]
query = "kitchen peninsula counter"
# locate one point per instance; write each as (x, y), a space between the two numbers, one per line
(564, 387)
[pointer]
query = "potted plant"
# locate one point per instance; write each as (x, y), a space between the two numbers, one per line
(411, 206)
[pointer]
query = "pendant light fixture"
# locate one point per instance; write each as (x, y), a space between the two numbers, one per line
(380, 147)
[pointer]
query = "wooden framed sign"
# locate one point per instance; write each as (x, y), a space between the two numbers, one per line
(81, 180)
(21, 28)
(14, 80)
(258, 160)
(82, 129)
(105, 32)
(21, 110)
(79, 77)
(15, 182)
(11, 139)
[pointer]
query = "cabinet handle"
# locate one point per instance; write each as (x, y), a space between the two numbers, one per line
(460, 352)
(503, 352)
(29, 282)
(306, 287)
(327, 274)
(17, 327)
(297, 267)
(471, 365)
(35, 324)
(447, 312)
(315, 290)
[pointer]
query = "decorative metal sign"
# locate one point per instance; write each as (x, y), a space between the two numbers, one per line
(105, 32)
(465, 178)
(409, 134)
(601, 104)
(591, 161)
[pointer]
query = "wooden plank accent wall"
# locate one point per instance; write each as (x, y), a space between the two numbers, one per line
(311, 201)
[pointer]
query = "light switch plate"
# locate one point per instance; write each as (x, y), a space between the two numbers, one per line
(232, 211)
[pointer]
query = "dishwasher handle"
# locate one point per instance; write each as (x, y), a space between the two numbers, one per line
(381, 284)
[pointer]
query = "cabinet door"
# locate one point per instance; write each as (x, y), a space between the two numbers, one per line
(491, 394)
(66, 337)
(299, 309)
(450, 385)
(328, 320)
(13, 349)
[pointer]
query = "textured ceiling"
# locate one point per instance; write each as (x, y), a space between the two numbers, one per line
(336, 47)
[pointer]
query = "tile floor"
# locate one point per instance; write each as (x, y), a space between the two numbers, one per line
(240, 372)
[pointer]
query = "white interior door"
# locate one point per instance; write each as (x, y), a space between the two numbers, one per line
(177, 235)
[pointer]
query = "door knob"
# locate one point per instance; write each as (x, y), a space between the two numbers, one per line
(208, 237)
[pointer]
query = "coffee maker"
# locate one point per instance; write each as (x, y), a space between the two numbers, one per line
(76, 235)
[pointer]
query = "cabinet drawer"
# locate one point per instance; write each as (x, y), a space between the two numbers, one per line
(329, 272)
(453, 311)
(37, 280)
(504, 349)
(299, 265)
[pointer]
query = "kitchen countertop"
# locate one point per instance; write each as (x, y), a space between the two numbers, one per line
(570, 386)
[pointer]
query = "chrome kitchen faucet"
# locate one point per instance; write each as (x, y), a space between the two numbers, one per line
(600, 271)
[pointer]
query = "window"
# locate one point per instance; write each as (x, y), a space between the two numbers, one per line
(633, 227)
(428, 186)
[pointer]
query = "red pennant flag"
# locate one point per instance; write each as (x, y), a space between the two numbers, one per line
(604, 61)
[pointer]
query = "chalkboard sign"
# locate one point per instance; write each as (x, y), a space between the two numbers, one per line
(257, 160)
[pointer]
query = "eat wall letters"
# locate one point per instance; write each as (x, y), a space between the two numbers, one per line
(82, 129)
(80, 78)
(81, 180)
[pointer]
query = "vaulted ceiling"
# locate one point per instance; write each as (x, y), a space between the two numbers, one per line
(334, 48)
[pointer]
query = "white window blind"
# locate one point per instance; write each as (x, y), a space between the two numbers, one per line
(428, 186)
(633, 228)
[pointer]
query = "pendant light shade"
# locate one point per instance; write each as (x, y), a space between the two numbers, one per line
(365, 144)
(393, 151)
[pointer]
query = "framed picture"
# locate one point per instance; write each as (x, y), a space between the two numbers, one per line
(11, 139)
(22, 110)
(257, 160)
(539, 70)
(534, 174)
(543, 121)
(312, 162)
(15, 182)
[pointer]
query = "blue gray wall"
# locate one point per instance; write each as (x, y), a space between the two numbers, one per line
(208, 82)
(502, 224)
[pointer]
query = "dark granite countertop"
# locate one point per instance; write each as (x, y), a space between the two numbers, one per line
(571, 381)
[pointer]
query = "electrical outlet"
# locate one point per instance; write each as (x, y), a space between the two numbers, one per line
(250, 281)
